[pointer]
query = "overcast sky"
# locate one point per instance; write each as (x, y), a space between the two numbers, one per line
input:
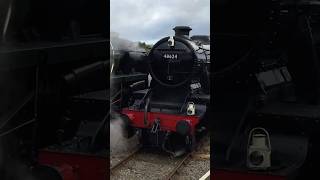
(150, 20)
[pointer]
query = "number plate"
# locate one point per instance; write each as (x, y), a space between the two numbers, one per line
(170, 57)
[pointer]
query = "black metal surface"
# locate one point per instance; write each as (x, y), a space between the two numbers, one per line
(188, 62)
(44, 41)
(289, 153)
(129, 79)
(253, 44)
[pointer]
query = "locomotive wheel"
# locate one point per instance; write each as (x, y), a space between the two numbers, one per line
(190, 143)
(41, 172)
(143, 137)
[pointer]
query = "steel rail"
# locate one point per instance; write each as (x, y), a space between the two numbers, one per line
(123, 161)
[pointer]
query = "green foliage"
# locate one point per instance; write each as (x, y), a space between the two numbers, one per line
(145, 46)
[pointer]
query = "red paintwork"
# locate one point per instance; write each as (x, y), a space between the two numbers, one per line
(75, 166)
(237, 175)
(167, 121)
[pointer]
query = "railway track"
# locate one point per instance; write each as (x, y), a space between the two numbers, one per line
(153, 165)
(184, 161)
(179, 165)
(123, 161)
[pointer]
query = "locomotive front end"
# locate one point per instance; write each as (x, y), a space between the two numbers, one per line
(171, 111)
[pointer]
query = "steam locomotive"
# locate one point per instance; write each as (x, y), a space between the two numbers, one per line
(266, 90)
(53, 81)
(170, 110)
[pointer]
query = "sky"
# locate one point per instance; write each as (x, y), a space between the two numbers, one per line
(151, 20)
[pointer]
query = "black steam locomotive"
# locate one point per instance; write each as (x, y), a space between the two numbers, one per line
(170, 110)
(266, 90)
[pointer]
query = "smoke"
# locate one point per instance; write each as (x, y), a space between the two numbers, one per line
(118, 141)
(119, 43)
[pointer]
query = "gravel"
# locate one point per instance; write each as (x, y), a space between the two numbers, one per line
(148, 166)
(196, 167)
(155, 165)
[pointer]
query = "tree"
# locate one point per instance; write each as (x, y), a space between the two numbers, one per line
(145, 46)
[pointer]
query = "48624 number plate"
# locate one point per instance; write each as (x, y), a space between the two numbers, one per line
(170, 56)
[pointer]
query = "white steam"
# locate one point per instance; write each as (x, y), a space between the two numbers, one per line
(119, 43)
(118, 141)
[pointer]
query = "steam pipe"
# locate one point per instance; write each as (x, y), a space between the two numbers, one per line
(88, 78)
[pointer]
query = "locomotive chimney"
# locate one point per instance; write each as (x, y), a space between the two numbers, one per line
(182, 31)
